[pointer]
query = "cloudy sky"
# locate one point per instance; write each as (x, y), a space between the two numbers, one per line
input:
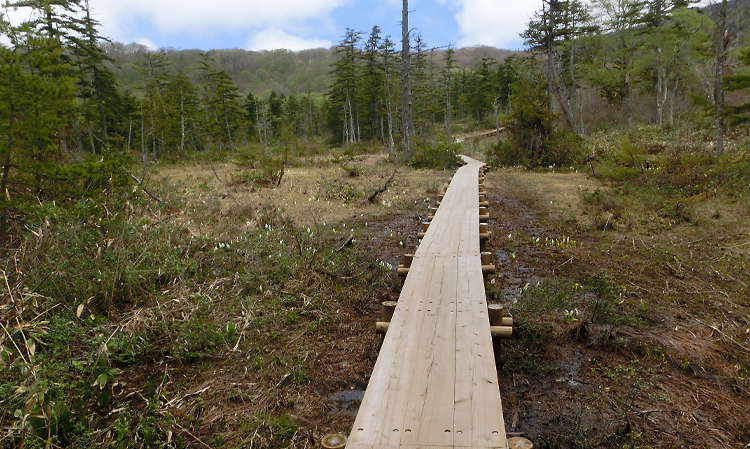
(301, 24)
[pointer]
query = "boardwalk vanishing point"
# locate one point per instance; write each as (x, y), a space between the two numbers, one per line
(435, 384)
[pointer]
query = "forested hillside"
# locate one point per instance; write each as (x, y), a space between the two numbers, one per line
(282, 71)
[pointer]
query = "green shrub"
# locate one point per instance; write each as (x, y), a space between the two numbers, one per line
(440, 155)
(503, 154)
(564, 148)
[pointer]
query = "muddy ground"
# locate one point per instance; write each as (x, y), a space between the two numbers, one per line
(660, 370)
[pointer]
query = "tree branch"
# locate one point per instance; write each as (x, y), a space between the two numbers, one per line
(382, 189)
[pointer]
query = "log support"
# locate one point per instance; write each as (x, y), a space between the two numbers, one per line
(403, 269)
(487, 266)
(501, 325)
(333, 441)
(425, 226)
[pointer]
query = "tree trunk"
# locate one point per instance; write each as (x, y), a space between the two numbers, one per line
(448, 115)
(626, 101)
(550, 54)
(562, 100)
(182, 119)
(408, 123)
(6, 164)
(391, 145)
(722, 39)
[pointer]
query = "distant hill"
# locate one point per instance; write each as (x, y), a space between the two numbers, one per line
(738, 19)
(282, 71)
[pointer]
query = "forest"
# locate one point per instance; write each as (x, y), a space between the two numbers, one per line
(173, 223)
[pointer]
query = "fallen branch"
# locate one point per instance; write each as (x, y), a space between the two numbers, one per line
(217, 176)
(382, 189)
(164, 219)
(348, 242)
(152, 195)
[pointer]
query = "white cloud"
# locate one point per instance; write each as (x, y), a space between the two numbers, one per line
(274, 38)
(147, 42)
(490, 22)
(199, 16)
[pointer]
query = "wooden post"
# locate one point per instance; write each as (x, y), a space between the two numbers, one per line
(484, 214)
(381, 327)
(425, 226)
(403, 269)
(496, 313)
(484, 232)
(487, 266)
(433, 211)
(333, 441)
(386, 310)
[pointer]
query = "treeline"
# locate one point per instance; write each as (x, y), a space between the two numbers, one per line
(590, 66)
(261, 72)
(281, 71)
(365, 102)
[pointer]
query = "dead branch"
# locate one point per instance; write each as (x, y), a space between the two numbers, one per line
(281, 175)
(165, 219)
(217, 176)
(382, 189)
(152, 195)
(348, 242)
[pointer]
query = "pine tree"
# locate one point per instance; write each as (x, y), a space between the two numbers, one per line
(389, 76)
(153, 79)
(102, 104)
(555, 32)
(372, 94)
(225, 102)
(35, 85)
(182, 109)
(343, 109)
(447, 81)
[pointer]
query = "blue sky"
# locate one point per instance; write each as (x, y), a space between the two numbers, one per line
(301, 24)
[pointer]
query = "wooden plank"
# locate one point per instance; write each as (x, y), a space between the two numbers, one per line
(393, 367)
(430, 410)
(434, 384)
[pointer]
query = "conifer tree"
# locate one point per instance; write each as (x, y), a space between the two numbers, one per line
(447, 81)
(389, 75)
(343, 108)
(102, 104)
(35, 85)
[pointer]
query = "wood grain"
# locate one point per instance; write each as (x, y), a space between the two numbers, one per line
(434, 384)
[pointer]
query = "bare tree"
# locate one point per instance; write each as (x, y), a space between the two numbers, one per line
(408, 123)
(722, 40)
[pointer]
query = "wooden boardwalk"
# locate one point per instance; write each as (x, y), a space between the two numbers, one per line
(434, 384)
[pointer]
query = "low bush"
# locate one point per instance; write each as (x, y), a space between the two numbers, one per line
(440, 155)
(503, 154)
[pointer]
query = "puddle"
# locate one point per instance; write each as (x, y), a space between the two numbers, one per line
(346, 402)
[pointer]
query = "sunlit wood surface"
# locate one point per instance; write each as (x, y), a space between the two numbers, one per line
(435, 383)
